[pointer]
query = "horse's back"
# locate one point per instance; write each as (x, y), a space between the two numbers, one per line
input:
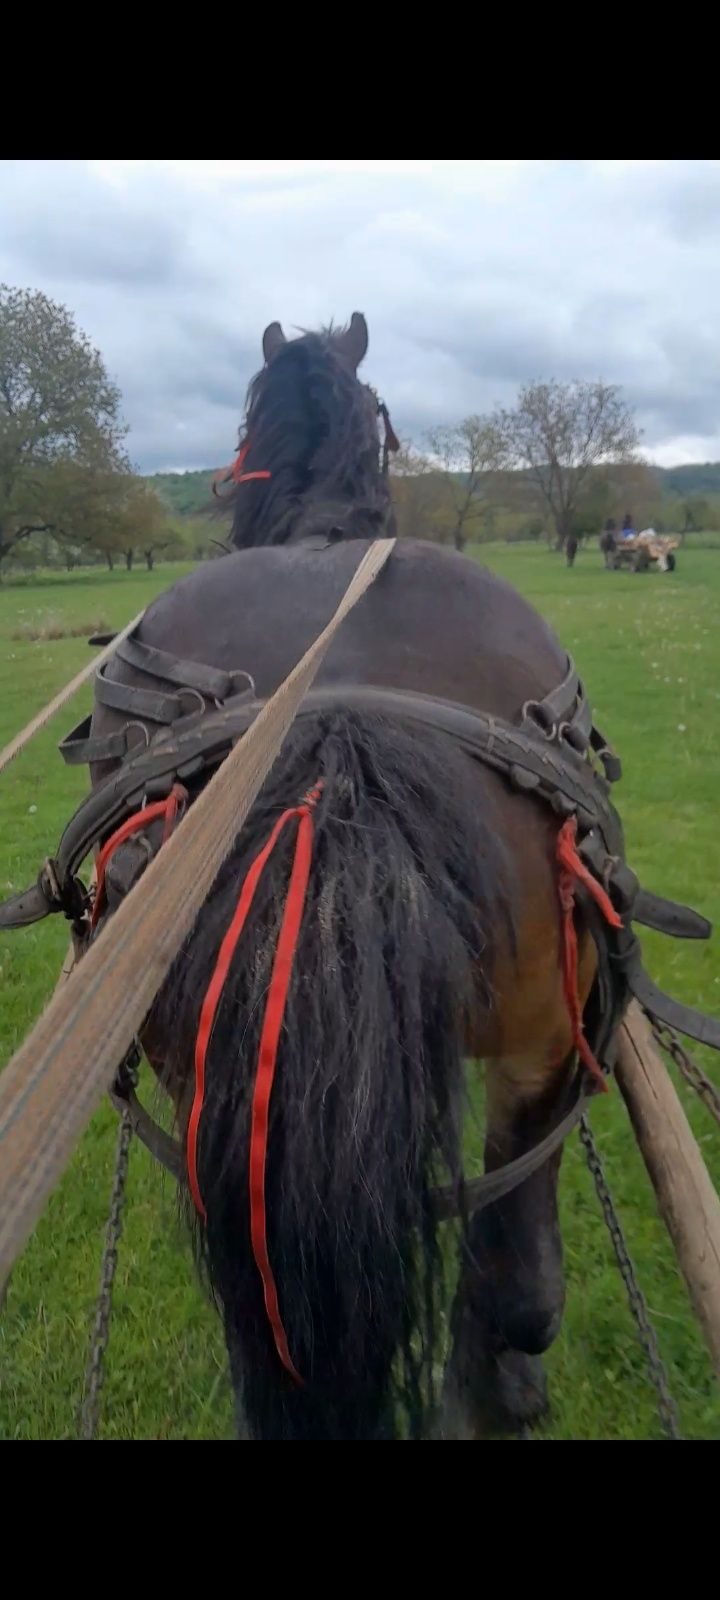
(434, 621)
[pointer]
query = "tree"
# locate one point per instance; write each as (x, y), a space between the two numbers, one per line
(148, 524)
(59, 418)
(196, 538)
(593, 507)
(419, 495)
(697, 513)
(557, 433)
(132, 518)
(87, 502)
(635, 487)
(467, 454)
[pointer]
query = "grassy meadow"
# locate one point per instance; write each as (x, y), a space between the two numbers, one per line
(648, 648)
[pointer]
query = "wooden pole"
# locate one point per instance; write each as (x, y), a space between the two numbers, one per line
(687, 1201)
(66, 971)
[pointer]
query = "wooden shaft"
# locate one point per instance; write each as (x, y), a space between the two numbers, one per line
(687, 1201)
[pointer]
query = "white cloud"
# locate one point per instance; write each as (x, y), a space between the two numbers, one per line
(474, 276)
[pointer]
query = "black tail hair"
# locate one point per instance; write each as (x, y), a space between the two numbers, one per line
(407, 888)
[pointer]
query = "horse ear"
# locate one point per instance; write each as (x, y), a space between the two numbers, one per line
(273, 341)
(353, 342)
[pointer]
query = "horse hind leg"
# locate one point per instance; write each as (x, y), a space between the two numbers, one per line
(510, 1296)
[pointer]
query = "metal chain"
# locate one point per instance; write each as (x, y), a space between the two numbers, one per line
(95, 1370)
(667, 1409)
(687, 1067)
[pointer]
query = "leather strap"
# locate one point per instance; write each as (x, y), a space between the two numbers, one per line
(577, 731)
(558, 705)
(200, 741)
(196, 681)
(31, 905)
(661, 1007)
(565, 713)
(478, 1193)
(161, 1145)
(148, 704)
(80, 747)
(447, 1202)
(611, 763)
(678, 922)
(209, 681)
(563, 716)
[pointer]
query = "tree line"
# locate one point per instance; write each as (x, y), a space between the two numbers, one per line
(563, 462)
(68, 494)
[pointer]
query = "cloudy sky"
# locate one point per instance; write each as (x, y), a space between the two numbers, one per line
(474, 277)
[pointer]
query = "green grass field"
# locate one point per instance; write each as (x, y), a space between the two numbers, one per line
(649, 650)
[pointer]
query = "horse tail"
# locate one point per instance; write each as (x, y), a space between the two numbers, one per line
(391, 977)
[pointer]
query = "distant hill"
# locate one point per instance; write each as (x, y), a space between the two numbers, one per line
(185, 493)
(188, 493)
(701, 478)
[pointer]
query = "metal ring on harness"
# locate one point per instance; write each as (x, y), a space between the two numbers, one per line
(241, 673)
(533, 711)
(143, 730)
(196, 695)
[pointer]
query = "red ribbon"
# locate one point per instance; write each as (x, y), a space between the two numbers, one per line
(573, 871)
(269, 1043)
(167, 808)
(237, 474)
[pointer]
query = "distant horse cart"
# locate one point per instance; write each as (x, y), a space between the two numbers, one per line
(643, 552)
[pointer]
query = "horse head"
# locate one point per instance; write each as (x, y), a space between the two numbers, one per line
(310, 460)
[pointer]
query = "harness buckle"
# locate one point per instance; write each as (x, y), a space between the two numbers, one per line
(128, 1072)
(49, 881)
(68, 895)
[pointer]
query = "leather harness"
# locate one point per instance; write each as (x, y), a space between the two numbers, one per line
(555, 753)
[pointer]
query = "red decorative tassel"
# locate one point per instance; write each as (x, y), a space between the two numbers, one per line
(573, 871)
(269, 1042)
(167, 808)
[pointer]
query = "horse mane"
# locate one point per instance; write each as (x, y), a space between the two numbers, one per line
(312, 425)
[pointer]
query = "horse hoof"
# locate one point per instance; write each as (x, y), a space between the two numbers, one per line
(522, 1392)
(531, 1331)
(508, 1396)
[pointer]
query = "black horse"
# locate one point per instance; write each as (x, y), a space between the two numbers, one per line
(432, 932)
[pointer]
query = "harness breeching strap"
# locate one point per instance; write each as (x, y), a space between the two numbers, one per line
(572, 871)
(269, 1041)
